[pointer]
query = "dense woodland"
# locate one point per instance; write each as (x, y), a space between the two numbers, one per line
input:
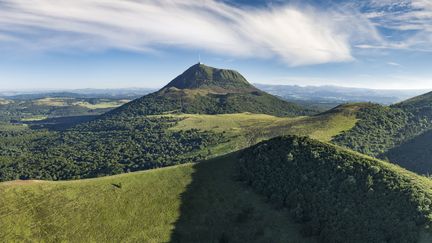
(338, 195)
(378, 129)
(382, 132)
(99, 148)
(17, 109)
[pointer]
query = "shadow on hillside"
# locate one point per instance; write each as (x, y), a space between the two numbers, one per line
(57, 123)
(216, 208)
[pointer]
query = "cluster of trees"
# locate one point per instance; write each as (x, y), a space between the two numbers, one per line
(337, 195)
(101, 147)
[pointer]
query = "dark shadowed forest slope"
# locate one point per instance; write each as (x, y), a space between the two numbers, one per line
(206, 90)
(339, 195)
(414, 154)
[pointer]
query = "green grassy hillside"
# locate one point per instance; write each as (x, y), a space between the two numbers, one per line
(187, 203)
(246, 129)
(333, 194)
(340, 195)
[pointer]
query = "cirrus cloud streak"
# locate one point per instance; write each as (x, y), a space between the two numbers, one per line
(296, 35)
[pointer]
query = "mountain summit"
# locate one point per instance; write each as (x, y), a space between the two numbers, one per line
(200, 76)
(206, 90)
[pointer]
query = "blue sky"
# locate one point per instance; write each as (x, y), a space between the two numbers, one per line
(46, 44)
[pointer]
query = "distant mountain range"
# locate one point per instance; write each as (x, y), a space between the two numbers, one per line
(338, 94)
(330, 95)
(126, 93)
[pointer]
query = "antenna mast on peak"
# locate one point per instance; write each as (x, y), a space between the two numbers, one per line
(199, 58)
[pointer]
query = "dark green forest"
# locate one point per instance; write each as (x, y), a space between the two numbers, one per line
(100, 148)
(414, 154)
(339, 196)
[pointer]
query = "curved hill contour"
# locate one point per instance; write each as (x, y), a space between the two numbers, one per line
(206, 90)
(337, 194)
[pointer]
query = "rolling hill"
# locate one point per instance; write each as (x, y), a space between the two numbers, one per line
(191, 203)
(333, 194)
(421, 102)
(206, 90)
(337, 194)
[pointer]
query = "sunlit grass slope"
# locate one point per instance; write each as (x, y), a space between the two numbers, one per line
(188, 203)
(246, 129)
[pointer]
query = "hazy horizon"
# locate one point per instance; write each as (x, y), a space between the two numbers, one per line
(47, 90)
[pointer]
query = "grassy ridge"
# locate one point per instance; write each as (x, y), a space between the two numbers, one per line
(187, 203)
(246, 129)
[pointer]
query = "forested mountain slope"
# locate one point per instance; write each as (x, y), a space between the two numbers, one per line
(340, 196)
(206, 90)
(381, 129)
(414, 154)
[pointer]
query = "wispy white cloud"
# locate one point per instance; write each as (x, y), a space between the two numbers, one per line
(411, 18)
(395, 64)
(295, 35)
